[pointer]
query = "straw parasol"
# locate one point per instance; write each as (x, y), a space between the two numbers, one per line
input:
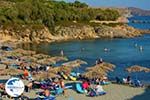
(29, 58)
(75, 63)
(11, 71)
(41, 56)
(45, 61)
(44, 75)
(33, 64)
(58, 58)
(11, 62)
(65, 69)
(24, 52)
(137, 68)
(99, 70)
(11, 53)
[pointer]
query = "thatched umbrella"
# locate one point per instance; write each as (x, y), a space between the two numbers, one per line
(65, 69)
(29, 58)
(24, 52)
(44, 75)
(137, 68)
(99, 70)
(41, 56)
(11, 53)
(34, 65)
(75, 63)
(58, 58)
(46, 61)
(95, 74)
(11, 62)
(11, 71)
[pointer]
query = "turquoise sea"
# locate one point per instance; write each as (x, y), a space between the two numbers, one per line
(122, 52)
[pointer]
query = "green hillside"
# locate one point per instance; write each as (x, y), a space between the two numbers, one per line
(50, 12)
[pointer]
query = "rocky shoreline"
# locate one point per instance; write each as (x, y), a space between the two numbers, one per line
(63, 33)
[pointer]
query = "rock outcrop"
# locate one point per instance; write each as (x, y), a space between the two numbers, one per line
(87, 32)
(117, 32)
(67, 33)
(26, 35)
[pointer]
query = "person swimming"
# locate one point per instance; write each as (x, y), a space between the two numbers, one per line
(106, 50)
(141, 48)
(135, 45)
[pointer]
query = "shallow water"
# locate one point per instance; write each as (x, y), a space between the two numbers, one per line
(122, 53)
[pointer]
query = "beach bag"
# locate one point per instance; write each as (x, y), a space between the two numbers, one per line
(92, 94)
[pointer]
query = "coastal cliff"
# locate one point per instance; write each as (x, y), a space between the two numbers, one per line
(67, 33)
(43, 21)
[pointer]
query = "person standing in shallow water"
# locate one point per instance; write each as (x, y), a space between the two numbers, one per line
(62, 53)
(99, 61)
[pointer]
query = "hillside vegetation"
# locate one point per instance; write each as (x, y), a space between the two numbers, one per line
(49, 13)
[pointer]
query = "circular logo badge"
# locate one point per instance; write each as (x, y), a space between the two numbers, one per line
(14, 87)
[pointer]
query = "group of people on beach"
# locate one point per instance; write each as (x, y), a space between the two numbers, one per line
(129, 81)
(93, 87)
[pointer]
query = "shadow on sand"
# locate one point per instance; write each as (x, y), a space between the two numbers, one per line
(144, 96)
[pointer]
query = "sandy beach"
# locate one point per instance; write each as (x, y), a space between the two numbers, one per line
(114, 92)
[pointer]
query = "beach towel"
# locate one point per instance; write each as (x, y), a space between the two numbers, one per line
(58, 91)
(79, 88)
(64, 76)
(72, 78)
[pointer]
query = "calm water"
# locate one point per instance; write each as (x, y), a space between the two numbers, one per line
(122, 53)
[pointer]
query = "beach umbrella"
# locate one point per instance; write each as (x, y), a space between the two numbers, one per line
(46, 61)
(11, 62)
(94, 74)
(65, 69)
(11, 71)
(41, 56)
(103, 66)
(137, 68)
(34, 65)
(11, 53)
(75, 63)
(44, 75)
(58, 58)
(99, 70)
(24, 52)
(29, 58)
